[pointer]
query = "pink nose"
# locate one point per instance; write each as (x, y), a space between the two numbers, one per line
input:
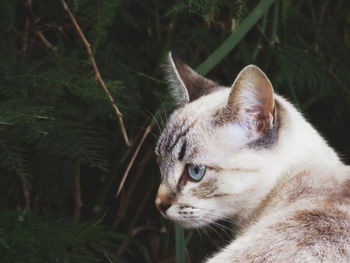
(163, 201)
(162, 207)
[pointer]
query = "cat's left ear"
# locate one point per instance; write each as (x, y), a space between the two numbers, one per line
(186, 84)
(251, 101)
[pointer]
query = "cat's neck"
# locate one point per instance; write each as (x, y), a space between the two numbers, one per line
(300, 150)
(301, 146)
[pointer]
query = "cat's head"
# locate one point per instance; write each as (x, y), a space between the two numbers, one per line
(210, 152)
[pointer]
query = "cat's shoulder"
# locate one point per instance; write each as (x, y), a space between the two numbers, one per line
(301, 221)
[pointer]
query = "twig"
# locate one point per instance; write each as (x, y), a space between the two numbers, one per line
(7, 123)
(98, 77)
(126, 173)
(26, 194)
(78, 199)
(28, 25)
(126, 196)
(107, 257)
(44, 40)
(126, 243)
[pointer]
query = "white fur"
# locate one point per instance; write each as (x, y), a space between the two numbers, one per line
(299, 148)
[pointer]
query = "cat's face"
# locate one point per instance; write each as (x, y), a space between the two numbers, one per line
(210, 151)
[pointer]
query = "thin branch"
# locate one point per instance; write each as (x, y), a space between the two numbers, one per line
(45, 41)
(133, 158)
(125, 244)
(126, 196)
(28, 24)
(107, 257)
(98, 77)
(7, 123)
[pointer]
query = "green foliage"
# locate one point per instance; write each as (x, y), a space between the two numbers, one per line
(14, 159)
(60, 140)
(29, 238)
(211, 9)
(100, 17)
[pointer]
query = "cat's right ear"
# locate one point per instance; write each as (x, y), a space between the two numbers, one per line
(251, 101)
(186, 85)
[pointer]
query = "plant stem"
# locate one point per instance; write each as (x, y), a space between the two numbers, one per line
(98, 77)
(235, 37)
(180, 245)
(133, 158)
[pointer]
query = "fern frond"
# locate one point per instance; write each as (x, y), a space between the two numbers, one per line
(30, 238)
(15, 159)
(76, 141)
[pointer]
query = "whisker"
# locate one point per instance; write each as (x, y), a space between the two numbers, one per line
(154, 118)
(143, 129)
(217, 232)
(224, 227)
(204, 231)
(158, 115)
(215, 219)
(164, 110)
(243, 213)
(212, 225)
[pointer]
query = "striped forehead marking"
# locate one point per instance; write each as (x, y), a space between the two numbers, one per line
(172, 137)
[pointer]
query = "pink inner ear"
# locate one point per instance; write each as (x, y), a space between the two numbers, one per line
(264, 122)
(252, 99)
(253, 109)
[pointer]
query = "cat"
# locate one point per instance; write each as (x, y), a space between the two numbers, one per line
(246, 153)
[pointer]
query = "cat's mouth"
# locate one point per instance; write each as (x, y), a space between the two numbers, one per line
(188, 221)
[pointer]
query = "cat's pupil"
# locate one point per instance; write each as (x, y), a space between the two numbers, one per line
(196, 172)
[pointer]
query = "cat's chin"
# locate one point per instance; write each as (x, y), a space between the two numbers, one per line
(188, 224)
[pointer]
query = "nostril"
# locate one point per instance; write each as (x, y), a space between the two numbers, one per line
(163, 207)
(163, 200)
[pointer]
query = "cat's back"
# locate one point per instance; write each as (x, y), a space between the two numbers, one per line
(247, 154)
(324, 186)
(305, 219)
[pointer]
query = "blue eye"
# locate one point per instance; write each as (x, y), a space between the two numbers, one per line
(196, 171)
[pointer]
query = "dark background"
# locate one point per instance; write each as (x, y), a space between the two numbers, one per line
(60, 141)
